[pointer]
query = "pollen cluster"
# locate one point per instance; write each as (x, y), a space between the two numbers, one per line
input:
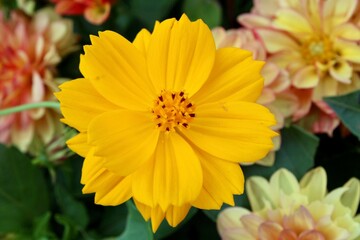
(173, 109)
(318, 49)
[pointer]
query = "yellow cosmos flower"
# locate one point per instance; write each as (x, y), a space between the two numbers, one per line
(165, 120)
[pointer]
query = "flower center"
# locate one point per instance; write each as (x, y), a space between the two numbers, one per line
(172, 109)
(318, 49)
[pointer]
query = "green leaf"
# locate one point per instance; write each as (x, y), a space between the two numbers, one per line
(297, 154)
(347, 107)
(136, 226)
(41, 229)
(207, 10)
(23, 192)
(113, 220)
(150, 11)
(74, 210)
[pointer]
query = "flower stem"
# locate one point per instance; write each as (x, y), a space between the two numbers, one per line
(29, 106)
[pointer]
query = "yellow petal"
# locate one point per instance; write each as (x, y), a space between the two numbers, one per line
(307, 77)
(141, 41)
(259, 186)
(117, 70)
(80, 103)
(235, 76)
(341, 71)
(92, 167)
(222, 179)
(114, 191)
(234, 131)
(351, 197)
(124, 139)
(291, 21)
(283, 181)
(79, 144)
(313, 184)
(157, 216)
(276, 41)
(174, 215)
(337, 12)
(328, 86)
(348, 51)
(177, 175)
(347, 31)
(181, 55)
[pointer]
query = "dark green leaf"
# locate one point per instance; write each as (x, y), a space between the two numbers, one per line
(136, 226)
(23, 192)
(71, 208)
(207, 10)
(41, 229)
(165, 229)
(347, 107)
(150, 11)
(113, 221)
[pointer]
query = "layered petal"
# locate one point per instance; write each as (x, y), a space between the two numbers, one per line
(181, 55)
(234, 131)
(222, 179)
(80, 103)
(235, 76)
(276, 41)
(120, 63)
(124, 139)
(172, 181)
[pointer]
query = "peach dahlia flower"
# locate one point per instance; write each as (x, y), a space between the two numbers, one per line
(30, 49)
(316, 41)
(286, 209)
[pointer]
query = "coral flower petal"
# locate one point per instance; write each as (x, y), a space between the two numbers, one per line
(123, 65)
(80, 103)
(306, 78)
(233, 69)
(292, 21)
(277, 41)
(121, 136)
(172, 182)
(185, 59)
(240, 127)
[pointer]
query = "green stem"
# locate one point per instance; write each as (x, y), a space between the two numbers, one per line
(29, 106)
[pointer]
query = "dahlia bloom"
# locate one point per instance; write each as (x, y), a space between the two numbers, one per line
(276, 81)
(94, 11)
(315, 41)
(30, 49)
(283, 208)
(166, 120)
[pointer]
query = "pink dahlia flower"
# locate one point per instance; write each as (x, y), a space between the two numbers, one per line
(30, 49)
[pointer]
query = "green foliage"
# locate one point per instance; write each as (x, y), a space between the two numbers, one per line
(23, 192)
(347, 107)
(136, 226)
(150, 11)
(207, 10)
